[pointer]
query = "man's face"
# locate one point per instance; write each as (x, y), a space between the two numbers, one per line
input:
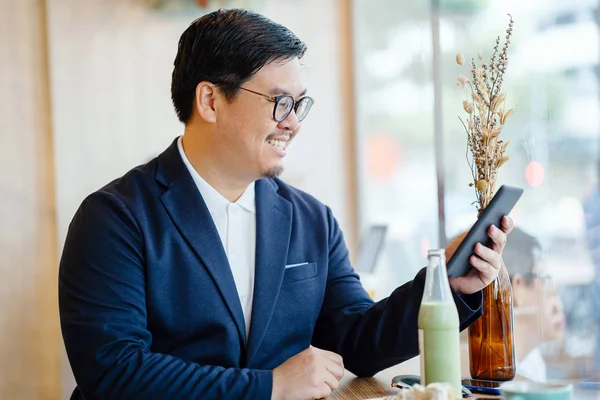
(540, 294)
(247, 132)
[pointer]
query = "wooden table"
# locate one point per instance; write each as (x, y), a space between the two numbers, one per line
(353, 388)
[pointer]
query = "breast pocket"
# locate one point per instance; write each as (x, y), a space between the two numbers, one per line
(300, 273)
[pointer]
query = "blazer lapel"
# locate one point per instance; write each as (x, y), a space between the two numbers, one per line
(273, 231)
(189, 213)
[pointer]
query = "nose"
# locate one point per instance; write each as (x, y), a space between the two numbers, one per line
(290, 123)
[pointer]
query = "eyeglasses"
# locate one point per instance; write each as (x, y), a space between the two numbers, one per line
(546, 280)
(284, 105)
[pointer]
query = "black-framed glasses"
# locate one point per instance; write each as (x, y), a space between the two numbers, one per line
(546, 280)
(284, 105)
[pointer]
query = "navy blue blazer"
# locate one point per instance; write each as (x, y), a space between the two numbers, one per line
(149, 307)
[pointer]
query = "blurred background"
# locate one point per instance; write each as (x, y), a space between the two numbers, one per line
(85, 96)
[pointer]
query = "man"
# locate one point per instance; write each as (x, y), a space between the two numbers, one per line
(200, 275)
(538, 311)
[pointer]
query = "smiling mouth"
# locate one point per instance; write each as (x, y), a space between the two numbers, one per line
(278, 144)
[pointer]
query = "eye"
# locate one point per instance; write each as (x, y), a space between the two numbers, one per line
(284, 107)
(303, 107)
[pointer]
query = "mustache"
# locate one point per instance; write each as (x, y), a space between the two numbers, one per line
(289, 135)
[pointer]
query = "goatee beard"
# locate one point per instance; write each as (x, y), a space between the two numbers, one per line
(274, 172)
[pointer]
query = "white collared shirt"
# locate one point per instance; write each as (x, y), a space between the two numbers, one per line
(236, 224)
(533, 366)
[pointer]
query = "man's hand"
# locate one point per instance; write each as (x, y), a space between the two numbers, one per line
(311, 374)
(486, 262)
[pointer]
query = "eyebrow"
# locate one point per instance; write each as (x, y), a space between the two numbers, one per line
(277, 91)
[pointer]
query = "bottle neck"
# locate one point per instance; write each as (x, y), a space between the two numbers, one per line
(437, 287)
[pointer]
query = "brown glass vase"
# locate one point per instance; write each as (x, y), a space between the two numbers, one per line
(491, 345)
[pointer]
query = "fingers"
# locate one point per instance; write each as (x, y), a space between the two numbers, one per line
(488, 255)
(332, 382)
(487, 273)
(507, 224)
(335, 369)
(334, 363)
(312, 373)
(336, 358)
(498, 239)
(324, 392)
(487, 262)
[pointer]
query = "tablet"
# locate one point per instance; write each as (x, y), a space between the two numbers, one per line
(370, 248)
(501, 204)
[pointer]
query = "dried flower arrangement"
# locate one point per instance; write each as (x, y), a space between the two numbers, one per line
(487, 117)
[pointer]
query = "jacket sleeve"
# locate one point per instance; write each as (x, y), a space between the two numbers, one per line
(373, 336)
(103, 318)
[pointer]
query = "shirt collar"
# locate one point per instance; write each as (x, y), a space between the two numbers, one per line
(533, 366)
(247, 200)
(213, 199)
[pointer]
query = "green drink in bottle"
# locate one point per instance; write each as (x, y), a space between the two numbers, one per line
(439, 327)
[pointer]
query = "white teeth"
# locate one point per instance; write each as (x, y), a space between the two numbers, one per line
(280, 144)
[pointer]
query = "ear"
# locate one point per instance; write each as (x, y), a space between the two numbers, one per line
(518, 286)
(205, 101)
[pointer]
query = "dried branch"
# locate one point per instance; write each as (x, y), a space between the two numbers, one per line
(487, 115)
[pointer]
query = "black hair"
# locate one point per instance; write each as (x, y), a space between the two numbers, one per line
(521, 253)
(227, 47)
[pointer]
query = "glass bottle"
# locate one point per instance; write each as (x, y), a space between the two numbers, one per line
(439, 325)
(491, 345)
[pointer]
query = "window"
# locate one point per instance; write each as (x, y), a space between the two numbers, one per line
(552, 80)
(395, 131)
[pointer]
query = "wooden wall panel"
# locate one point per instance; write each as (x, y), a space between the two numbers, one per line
(29, 329)
(85, 97)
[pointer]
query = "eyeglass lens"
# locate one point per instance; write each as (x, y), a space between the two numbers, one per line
(284, 107)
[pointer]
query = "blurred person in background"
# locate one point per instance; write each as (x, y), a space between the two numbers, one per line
(591, 208)
(201, 275)
(538, 310)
